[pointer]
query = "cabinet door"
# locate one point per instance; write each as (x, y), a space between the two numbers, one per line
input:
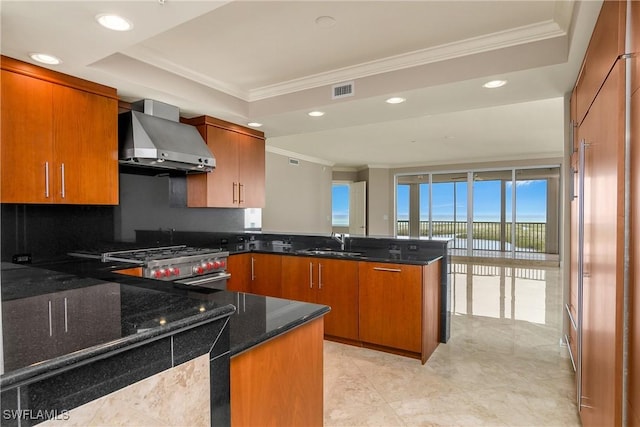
(26, 139)
(220, 187)
(299, 278)
(266, 275)
(251, 171)
(86, 147)
(602, 129)
(338, 288)
(391, 305)
(634, 344)
(27, 331)
(606, 45)
(239, 266)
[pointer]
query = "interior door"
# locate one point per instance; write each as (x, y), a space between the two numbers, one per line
(358, 208)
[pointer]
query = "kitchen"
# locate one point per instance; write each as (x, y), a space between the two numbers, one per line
(295, 202)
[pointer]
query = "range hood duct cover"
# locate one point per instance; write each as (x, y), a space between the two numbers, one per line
(159, 143)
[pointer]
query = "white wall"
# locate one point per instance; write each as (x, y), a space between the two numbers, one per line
(379, 198)
(298, 198)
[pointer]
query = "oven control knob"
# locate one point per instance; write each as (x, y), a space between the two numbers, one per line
(158, 273)
(211, 265)
(168, 272)
(198, 269)
(217, 264)
(223, 263)
(176, 271)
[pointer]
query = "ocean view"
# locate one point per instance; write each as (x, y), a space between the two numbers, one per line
(343, 219)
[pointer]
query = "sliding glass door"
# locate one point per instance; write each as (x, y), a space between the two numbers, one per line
(510, 209)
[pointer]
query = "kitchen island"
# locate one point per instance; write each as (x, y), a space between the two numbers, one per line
(160, 330)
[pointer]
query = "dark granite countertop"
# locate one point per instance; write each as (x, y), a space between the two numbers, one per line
(355, 255)
(107, 316)
(145, 309)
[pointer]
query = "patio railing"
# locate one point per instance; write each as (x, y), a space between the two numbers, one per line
(530, 236)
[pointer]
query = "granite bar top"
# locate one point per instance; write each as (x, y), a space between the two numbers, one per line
(70, 310)
(146, 309)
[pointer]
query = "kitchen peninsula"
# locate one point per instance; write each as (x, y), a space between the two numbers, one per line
(116, 334)
(386, 294)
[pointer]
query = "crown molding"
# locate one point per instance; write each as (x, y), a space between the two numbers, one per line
(512, 37)
(156, 59)
(499, 40)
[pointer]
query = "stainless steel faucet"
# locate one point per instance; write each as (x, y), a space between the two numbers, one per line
(340, 238)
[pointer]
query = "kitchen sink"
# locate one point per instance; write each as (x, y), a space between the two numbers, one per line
(329, 252)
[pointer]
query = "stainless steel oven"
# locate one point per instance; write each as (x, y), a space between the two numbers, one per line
(180, 264)
(211, 281)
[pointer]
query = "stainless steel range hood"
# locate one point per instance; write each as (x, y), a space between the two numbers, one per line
(151, 136)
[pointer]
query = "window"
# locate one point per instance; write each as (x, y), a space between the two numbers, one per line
(253, 219)
(340, 204)
(510, 209)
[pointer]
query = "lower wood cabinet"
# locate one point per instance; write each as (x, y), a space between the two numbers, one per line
(255, 273)
(399, 306)
(239, 266)
(280, 382)
(265, 276)
(390, 307)
(329, 282)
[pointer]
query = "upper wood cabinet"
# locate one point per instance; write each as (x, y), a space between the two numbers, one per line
(606, 45)
(238, 180)
(59, 138)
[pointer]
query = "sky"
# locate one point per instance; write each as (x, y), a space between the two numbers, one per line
(530, 196)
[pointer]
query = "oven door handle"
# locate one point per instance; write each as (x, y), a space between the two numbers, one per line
(205, 279)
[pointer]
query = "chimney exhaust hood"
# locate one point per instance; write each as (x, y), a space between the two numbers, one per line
(151, 136)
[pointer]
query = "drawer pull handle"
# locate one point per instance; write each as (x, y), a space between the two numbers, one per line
(46, 179)
(391, 270)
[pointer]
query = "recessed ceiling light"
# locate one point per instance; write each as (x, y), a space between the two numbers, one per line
(316, 113)
(114, 22)
(45, 58)
(494, 84)
(254, 124)
(395, 100)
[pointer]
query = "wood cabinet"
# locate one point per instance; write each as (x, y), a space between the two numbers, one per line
(399, 306)
(280, 382)
(59, 323)
(606, 44)
(59, 138)
(602, 280)
(388, 307)
(329, 282)
(390, 312)
(239, 266)
(600, 103)
(265, 274)
(239, 177)
(633, 400)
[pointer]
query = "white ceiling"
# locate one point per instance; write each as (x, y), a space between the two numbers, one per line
(270, 62)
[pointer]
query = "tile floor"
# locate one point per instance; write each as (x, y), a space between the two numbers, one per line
(503, 365)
